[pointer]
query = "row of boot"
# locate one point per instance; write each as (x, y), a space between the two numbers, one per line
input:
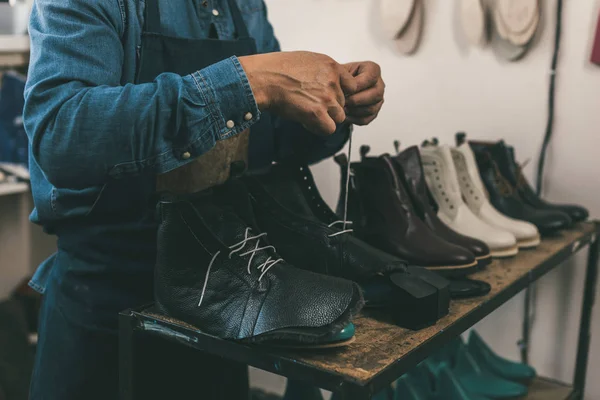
(225, 257)
(450, 209)
(263, 259)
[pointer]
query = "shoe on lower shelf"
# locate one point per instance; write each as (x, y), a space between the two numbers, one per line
(500, 366)
(479, 381)
(449, 387)
(216, 271)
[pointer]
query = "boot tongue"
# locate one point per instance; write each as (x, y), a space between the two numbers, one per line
(229, 213)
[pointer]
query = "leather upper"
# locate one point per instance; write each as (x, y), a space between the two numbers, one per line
(442, 180)
(196, 232)
(475, 196)
(390, 222)
(504, 196)
(511, 169)
(290, 209)
(410, 162)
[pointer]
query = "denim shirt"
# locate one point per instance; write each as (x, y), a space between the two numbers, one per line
(87, 121)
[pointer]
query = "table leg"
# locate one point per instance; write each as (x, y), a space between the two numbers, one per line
(589, 295)
(126, 328)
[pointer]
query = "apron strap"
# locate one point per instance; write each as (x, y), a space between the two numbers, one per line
(238, 20)
(152, 18)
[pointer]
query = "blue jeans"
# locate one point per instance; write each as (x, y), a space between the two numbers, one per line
(77, 357)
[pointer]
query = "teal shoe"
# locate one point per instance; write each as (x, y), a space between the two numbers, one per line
(407, 389)
(297, 390)
(478, 381)
(422, 378)
(386, 394)
(502, 367)
(448, 386)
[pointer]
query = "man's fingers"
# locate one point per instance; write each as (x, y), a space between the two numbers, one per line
(348, 83)
(364, 111)
(337, 114)
(360, 120)
(321, 123)
(367, 97)
(367, 75)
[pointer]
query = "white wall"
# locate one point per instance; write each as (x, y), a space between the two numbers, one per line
(448, 87)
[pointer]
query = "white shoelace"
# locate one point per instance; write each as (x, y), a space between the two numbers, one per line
(345, 221)
(264, 267)
(344, 226)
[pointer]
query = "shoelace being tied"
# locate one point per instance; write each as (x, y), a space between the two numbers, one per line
(345, 221)
(264, 267)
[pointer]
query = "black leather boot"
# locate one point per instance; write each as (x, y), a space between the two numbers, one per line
(288, 206)
(505, 157)
(409, 166)
(216, 271)
(505, 197)
(383, 216)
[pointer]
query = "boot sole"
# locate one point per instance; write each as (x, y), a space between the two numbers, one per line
(300, 346)
(455, 270)
(484, 261)
(529, 243)
(506, 252)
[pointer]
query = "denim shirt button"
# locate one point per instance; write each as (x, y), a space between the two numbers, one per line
(186, 155)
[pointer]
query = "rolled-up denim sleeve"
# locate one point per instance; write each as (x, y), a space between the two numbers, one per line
(85, 126)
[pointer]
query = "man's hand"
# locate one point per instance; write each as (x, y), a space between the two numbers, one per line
(305, 87)
(363, 106)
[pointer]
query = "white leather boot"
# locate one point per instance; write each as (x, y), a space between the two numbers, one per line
(442, 180)
(473, 191)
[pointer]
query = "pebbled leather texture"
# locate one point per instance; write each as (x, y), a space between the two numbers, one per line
(285, 304)
(505, 197)
(389, 221)
(511, 169)
(410, 162)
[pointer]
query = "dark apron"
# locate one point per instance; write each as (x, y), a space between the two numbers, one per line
(116, 242)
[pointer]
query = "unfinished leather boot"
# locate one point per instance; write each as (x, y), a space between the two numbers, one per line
(384, 216)
(307, 233)
(474, 194)
(505, 197)
(425, 206)
(217, 271)
(442, 180)
(505, 158)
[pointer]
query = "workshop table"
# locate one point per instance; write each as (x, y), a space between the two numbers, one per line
(382, 351)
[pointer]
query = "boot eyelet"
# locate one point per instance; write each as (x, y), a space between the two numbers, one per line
(440, 186)
(309, 187)
(443, 193)
(452, 207)
(447, 200)
(472, 192)
(435, 170)
(476, 197)
(306, 178)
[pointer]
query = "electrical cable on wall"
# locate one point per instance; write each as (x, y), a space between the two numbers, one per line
(529, 293)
